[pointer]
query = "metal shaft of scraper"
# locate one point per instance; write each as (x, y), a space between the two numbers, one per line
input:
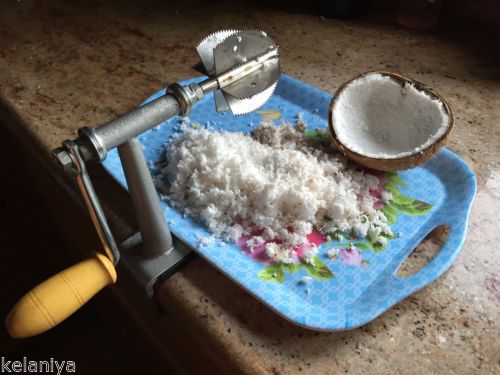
(132, 124)
(246, 69)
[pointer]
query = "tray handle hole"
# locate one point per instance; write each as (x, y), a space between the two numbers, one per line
(425, 251)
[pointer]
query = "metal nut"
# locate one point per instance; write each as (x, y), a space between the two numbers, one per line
(63, 159)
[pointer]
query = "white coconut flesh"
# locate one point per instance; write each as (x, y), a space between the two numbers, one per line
(376, 117)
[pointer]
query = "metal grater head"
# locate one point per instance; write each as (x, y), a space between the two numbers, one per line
(245, 65)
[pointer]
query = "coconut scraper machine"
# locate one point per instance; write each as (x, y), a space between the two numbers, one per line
(243, 69)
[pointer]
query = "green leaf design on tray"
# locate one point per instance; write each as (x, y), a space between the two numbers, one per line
(359, 245)
(273, 272)
(399, 198)
(318, 269)
(401, 203)
(414, 208)
(422, 207)
(276, 271)
(375, 244)
(292, 267)
(394, 178)
(338, 236)
(322, 137)
(380, 243)
(390, 213)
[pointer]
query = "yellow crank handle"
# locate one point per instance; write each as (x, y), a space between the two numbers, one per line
(52, 301)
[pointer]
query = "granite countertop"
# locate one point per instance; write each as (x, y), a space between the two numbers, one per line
(64, 65)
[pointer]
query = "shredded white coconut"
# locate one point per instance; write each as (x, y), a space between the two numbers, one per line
(332, 253)
(278, 191)
(205, 241)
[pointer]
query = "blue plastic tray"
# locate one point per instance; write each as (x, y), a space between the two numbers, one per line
(359, 292)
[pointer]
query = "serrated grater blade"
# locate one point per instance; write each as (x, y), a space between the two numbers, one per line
(244, 106)
(206, 48)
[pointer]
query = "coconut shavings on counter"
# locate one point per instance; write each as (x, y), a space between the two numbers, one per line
(271, 188)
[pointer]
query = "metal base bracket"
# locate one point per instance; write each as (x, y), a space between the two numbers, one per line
(148, 270)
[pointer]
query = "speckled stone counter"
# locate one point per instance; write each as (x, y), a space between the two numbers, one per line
(64, 65)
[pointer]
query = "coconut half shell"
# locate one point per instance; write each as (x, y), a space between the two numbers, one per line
(380, 113)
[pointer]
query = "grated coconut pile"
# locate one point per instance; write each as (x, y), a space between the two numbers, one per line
(273, 186)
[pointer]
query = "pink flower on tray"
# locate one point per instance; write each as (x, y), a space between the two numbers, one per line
(352, 257)
(377, 193)
(316, 238)
(258, 252)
